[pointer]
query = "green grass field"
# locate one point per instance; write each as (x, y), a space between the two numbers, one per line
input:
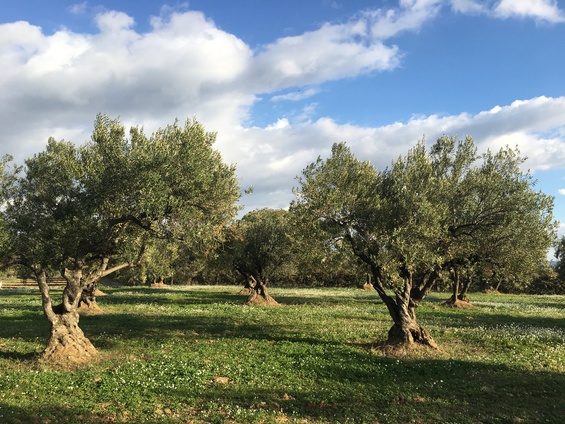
(196, 354)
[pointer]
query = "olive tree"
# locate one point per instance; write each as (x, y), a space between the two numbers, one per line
(499, 225)
(260, 247)
(83, 212)
(425, 215)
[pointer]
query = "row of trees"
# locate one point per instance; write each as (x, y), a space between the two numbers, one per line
(447, 214)
(164, 204)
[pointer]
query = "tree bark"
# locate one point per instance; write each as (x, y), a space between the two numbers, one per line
(247, 287)
(459, 297)
(88, 301)
(259, 294)
(67, 343)
(463, 295)
(405, 332)
(369, 284)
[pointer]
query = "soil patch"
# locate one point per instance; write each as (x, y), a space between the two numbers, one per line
(458, 304)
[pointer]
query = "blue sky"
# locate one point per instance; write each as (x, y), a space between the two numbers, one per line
(281, 81)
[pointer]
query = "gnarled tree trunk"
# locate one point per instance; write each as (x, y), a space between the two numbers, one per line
(459, 297)
(67, 343)
(406, 331)
(88, 303)
(259, 294)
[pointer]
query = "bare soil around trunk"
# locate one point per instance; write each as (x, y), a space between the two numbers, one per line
(261, 300)
(458, 304)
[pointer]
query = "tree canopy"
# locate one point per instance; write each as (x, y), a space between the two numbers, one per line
(427, 213)
(87, 211)
(261, 245)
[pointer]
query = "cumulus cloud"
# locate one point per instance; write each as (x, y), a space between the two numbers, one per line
(329, 53)
(286, 149)
(541, 10)
(562, 191)
(184, 65)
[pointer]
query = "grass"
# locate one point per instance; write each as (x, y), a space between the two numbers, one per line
(196, 354)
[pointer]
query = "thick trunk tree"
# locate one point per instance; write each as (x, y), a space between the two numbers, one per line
(88, 303)
(406, 331)
(369, 284)
(67, 343)
(247, 287)
(464, 293)
(259, 294)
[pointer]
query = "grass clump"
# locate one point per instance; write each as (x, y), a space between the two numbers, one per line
(197, 354)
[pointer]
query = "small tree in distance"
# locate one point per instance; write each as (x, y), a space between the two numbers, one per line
(261, 246)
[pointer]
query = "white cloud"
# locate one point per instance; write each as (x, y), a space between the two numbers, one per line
(410, 16)
(78, 8)
(297, 95)
(329, 53)
(562, 191)
(467, 6)
(183, 67)
(287, 149)
(113, 21)
(53, 85)
(541, 10)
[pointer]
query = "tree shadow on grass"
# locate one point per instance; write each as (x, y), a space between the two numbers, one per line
(104, 329)
(26, 325)
(40, 414)
(17, 356)
(351, 385)
(168, 296)
(476, 318)
(317, 384)
(228, 294)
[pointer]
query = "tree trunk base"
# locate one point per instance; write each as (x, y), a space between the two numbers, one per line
(368, 287)
(458, 304)
(92, 309)
(406, 336)
(67, 344)
(261, 300)
(246, 291)
(99, 293)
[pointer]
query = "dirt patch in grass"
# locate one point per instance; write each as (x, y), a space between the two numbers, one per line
(158, 285)
(458, 304)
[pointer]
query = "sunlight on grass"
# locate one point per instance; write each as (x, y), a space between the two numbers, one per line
(196, 353)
